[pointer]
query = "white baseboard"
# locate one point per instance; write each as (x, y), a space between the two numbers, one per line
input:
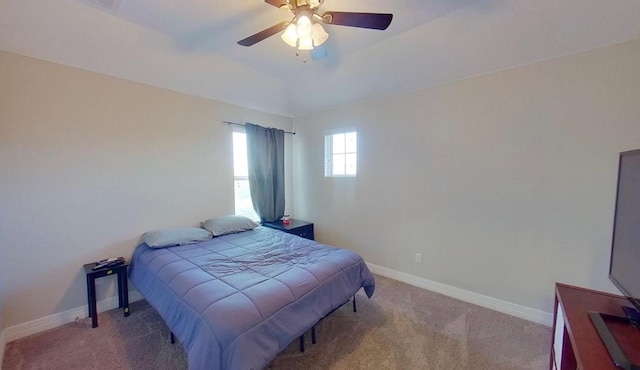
(53, 321)
(58, 319)
(523, 312)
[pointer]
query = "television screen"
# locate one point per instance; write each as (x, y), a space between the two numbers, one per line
(624, 270)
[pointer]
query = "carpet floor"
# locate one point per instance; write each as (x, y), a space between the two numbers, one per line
(401, 327)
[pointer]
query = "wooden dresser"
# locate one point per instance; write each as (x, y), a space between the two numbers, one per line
(576, 344)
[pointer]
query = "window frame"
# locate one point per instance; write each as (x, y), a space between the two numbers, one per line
(330, 154)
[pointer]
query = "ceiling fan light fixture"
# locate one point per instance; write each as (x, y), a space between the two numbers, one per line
(290, 36)
(318, 34)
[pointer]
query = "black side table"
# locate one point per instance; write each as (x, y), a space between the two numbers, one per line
(296, 227)
(123, 289)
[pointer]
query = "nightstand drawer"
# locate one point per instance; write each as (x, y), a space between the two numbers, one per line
(303, 231)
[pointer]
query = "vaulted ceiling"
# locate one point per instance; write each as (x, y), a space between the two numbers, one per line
(190, 45)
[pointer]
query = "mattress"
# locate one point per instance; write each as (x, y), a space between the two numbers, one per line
(236, 301)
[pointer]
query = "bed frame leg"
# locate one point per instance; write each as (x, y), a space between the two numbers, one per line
(313, 329)
(173, 338)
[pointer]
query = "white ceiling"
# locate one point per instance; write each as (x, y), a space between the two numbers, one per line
(190, 45)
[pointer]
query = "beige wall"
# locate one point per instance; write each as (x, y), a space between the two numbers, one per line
(89, 163)
(504, 182)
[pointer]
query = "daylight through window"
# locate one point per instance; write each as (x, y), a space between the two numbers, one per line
(243, 204)
(340, 154)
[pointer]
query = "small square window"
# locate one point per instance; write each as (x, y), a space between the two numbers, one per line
(341, 154)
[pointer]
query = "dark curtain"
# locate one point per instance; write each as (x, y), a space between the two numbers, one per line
(265, 157)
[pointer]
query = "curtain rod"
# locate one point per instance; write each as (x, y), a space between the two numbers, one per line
(243, 125)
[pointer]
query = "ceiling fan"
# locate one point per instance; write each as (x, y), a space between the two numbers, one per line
(305, 31)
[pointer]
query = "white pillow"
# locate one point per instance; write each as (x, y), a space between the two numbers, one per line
(173, 237)
(228, 224)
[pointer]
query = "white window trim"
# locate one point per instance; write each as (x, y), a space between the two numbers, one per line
(328, 152)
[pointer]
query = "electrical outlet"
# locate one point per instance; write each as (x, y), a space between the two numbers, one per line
(418, 257)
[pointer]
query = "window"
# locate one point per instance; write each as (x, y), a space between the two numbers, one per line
(340, 154)
(244, 206)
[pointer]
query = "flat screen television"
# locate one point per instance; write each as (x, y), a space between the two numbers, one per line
(624, 266)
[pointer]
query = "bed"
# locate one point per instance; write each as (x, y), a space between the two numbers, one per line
(237, 300)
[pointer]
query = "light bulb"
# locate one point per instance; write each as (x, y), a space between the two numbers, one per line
(304, 26)
(318, 34)
(290, 36)
(305, 43)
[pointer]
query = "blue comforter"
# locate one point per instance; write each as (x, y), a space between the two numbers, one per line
(236, 301)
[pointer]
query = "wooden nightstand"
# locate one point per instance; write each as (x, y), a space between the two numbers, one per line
(123, 289)
(296, 227)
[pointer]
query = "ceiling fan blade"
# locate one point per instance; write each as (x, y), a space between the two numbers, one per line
(376, 21)
(263, 34)
(276, 3)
